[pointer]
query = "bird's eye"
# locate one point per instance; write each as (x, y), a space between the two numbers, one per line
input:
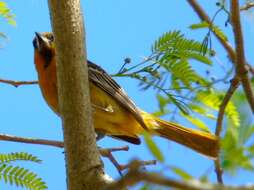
(51, 38)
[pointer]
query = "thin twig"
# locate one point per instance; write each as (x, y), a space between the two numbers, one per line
(247, 6)
(218, 171)
(227, 46)
(18, 83)
(241, 68)
(108, 153)
(5, 137)
(142, 163)
(204, 17)
(105, 152)
(229, 93)
(231, 52)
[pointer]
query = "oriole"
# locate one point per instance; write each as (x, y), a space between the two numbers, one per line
(114, 113)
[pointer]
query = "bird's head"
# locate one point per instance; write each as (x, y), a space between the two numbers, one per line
(43, 41)
(44, 46)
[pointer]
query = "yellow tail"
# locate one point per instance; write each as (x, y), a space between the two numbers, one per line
(202, 142)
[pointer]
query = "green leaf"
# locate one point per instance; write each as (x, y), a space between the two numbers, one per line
(199, 25)
(197, 122)
(250, 150)
(170, 63)
(12, 22)
(236, 159)
(202, 111)
(161, 113)
(174, 43)
(153, 147)
(214, 99)
(182, 71)
(236, 155)
(233, 114)
(181, 173)
(213, 27)
(5, 12)
(15, 156)
(200, 58)
(162, 101)
(17, 175)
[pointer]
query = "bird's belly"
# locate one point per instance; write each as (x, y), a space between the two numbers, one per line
(109, 116)
(49, 92)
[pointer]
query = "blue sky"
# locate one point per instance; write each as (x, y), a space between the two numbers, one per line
(115, 30)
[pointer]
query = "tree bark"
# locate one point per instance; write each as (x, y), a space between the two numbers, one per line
(83, 165)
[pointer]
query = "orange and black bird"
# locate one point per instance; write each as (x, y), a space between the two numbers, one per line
(114, 113)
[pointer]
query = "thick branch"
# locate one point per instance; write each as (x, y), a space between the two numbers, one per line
(84, 168)
(241, 67)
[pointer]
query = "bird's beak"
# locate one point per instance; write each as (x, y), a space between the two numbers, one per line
(38, 36)
(40, 42)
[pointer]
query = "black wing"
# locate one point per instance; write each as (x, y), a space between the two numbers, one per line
(101, 79)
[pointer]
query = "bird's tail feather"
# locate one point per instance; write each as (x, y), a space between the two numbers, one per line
(202, 142)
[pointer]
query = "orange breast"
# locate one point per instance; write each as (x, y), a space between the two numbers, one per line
(47, 82)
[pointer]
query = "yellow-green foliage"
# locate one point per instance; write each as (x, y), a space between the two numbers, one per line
(18, 175)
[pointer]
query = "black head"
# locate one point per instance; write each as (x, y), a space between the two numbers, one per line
(43, 40)
(44, 45)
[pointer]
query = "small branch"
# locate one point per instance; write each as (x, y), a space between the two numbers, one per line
(241, 68)
(218, 171)
(247, 6)
(244, 68)
(204, 17)
(227, 46)
(234, 84)
(142, 163)
(18, 83)
(105, 152)
(230, 92)
(5, 137)
(134, 177)
(108, 154)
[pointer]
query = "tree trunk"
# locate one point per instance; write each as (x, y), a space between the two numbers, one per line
(83, 165)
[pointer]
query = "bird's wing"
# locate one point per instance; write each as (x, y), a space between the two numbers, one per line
(101, 79)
